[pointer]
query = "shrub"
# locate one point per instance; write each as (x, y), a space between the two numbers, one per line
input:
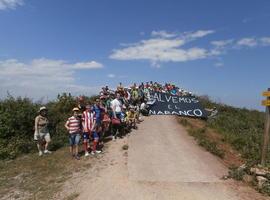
(17, 123)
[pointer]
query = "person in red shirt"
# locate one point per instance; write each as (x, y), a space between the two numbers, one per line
(88, 124)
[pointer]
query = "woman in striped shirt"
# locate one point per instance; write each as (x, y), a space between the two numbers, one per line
(73, 125)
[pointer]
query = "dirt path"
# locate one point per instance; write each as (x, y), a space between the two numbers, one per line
(162, 162)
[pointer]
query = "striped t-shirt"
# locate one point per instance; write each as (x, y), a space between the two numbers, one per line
(74, 124)
(88, 119)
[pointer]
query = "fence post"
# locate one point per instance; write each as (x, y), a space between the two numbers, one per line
(266, 132)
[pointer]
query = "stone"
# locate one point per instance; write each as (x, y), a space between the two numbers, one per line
(261, 180)
(258, 172)
(247, 178)
(242, 167)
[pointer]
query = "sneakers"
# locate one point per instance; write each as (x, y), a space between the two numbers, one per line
(40, 153)
(77, 157)
(113, 138)
(47, 152)
(86, 154)
(96, 152)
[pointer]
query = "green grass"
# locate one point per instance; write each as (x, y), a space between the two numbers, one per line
(34, 177)
(240, 127)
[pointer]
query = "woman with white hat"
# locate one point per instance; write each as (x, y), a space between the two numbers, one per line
(42, 134)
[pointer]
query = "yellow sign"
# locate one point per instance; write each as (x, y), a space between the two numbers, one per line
(266, 94)
(266, 102)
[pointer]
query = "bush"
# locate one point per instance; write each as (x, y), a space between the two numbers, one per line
(17, 123)
(236, 173)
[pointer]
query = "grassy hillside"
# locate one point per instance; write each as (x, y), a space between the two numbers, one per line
(240, 127)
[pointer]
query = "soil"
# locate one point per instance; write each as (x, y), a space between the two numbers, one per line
(161, 162)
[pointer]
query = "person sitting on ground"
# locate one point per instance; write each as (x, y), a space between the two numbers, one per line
(120, 89)
(134, 94)
(73, 125)
(144, 108)
(131, 118)
(88, 122)
(104, 93)
(212, 112)
(42, 134)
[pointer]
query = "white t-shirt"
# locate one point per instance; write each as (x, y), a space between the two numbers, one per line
(116, 105)
(143, 106)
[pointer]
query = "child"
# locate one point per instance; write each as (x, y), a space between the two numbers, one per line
(88, 122)
(95, 137)
(131, 118)
(73, 125)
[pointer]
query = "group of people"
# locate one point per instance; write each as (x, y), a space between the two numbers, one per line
(114, 113)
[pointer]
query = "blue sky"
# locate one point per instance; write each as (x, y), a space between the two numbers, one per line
(219, 48)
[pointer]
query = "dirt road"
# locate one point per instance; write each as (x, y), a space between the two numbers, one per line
(162, 162)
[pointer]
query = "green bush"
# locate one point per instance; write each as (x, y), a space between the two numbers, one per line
(17, 123)
(236, 173)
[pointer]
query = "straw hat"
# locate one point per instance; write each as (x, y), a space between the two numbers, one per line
(42, 108)
(75, 109)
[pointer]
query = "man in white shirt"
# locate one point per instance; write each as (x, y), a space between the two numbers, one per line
(116, 106)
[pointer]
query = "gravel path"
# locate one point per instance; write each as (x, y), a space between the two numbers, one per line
(162, 162)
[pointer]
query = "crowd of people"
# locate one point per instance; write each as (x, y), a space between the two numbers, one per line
(114, 113)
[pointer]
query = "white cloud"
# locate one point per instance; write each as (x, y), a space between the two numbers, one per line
(10, 4)
(199, 33)
(165, 48)
(87, 65)
(116, 76)
(219, 64)
(265, 41)
(111, 75)
(163, 34)
(222, 43)
(249, 42)
(42, 77)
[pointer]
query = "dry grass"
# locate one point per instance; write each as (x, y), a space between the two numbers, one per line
(34, 177)
(212, 141)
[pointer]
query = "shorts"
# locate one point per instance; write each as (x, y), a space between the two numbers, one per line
(86, 136)
(74, 139)
(42, 136)
(95, 135)
(98, 122)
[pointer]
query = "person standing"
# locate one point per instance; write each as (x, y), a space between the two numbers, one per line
(88, 122)
(73, 125)
(42, 135)
(116, 106)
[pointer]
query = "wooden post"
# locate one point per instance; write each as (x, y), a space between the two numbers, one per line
(266, 133)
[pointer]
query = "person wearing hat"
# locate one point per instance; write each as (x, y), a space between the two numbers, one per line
(42, 135)
(73, 125)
